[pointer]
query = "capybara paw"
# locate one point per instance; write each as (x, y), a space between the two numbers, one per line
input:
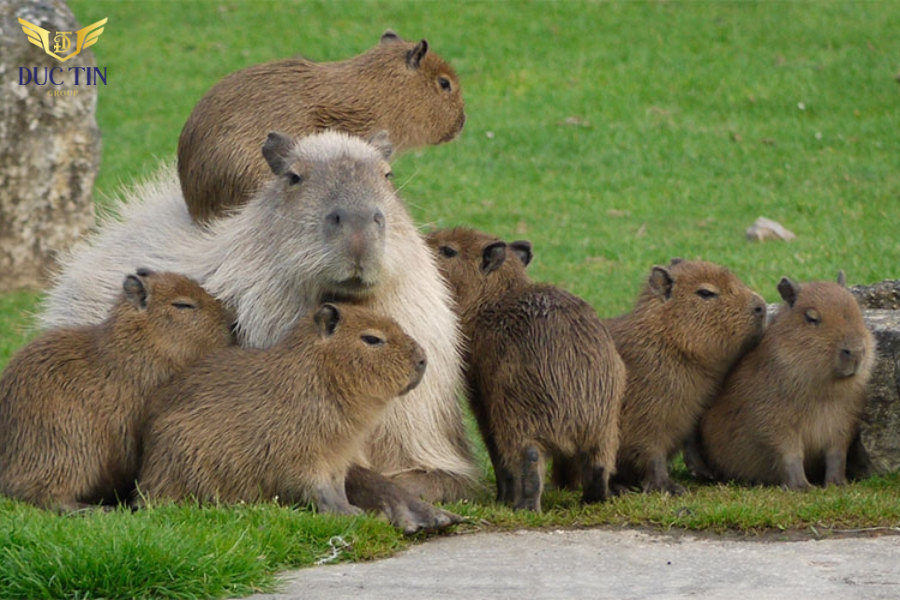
(416, 516)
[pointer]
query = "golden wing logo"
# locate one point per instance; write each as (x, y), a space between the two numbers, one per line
(61, 43)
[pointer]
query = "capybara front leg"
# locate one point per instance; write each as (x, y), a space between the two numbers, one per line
(595, 482)
(529, 480)
(331, 497)
(836, 466)
(372, 491)
(793, 474)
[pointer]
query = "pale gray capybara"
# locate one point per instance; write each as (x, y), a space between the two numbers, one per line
(328, 226)
(543, 373)
(691, 323)
(72, 401)
(791, 407)
(245, 425)
(399, 87)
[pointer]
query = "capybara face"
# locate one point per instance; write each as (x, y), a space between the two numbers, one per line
(715, 318)
(372, 355)
(477, 266)
(178, 317)
(826, 329)
(332, 197)
(434, 86)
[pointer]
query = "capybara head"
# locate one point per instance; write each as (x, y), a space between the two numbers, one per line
(821, 328)
(703, 310)
(173, 316)
(477, 266)
(427, 81)
(329, 197)
(368, 355)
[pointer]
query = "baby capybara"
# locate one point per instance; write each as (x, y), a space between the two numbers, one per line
(691, 323)
(543, 373)
(246, 425)
(71, 401)
(790, 408)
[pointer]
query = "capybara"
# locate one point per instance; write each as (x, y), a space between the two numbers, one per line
(72, 401)
(791, 407)
(245, 424)
(398, 86)
(329, 226)
(691, 323)
(543, 373)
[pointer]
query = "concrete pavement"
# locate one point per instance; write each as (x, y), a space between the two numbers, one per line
(605, 563)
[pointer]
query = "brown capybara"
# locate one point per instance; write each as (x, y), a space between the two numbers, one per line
(543, 373)
(329, 226)
(71, 401)
(245, 425)
(692, 321)
(791, 407)
(398, 86)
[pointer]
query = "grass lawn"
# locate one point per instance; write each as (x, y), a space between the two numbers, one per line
(613, 135)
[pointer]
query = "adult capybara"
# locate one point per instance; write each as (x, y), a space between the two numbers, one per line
(543, 373)
(245, 424)
(71, 401)
(328, 226)
(397, 86)
(791, 407)
(692, 321)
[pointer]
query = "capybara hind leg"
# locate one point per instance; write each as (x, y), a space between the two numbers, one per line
(434, 486)
(836, 466)
(657, 479)
(794, 476)
(565, 473)
(332, 498)
(692, 451)
(505, 484)
(529, 480)
(372, 491)
(595, 483)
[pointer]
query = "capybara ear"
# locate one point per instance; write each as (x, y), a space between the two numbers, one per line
(842, 279)
(676, 260)
(414, 57)
(135, 290)
(661, 282)
(492, 257)
(788, 290)
(522, 249)
(277, 152)
(382, 143)
(390, 36)
(327, 318)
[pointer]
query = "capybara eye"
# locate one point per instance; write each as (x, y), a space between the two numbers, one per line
(372, 340)
(707, 294)
(445, 84)
(184, 305)
(447, 251)
(812, 317)
(294, 178)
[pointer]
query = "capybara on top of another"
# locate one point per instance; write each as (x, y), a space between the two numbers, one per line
(692, 321)
(400, 87)
(790, 409)
(72, 401)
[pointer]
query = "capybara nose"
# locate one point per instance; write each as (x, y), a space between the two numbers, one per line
(420, 362)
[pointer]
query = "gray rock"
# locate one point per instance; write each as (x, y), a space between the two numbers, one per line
(877, 449)
(884, 295)
(49, 148)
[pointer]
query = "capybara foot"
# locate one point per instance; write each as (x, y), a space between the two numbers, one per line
(434, 486)
(596, 485)
(372, 491)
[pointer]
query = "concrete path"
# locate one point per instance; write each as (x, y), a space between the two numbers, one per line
(612, 564)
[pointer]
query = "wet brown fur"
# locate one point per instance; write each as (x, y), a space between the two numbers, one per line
(692, 321)
(285, 422)
(71, 402)
(790, 409)
(398, 86)
(543, 373)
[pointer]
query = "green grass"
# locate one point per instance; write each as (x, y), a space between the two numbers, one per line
(613, 135)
